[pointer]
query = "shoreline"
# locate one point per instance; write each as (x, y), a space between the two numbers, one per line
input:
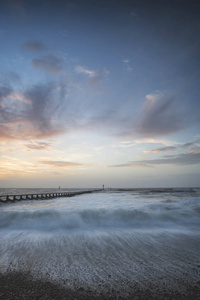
(19, 286)
(96, 248)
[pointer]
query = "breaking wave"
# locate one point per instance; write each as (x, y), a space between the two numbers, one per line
(168, 214)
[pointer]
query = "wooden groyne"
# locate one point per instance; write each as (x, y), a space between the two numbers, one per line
(42, 196)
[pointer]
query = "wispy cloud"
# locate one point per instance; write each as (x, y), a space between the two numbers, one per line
(95, 76)
(33, 46)
(12, 167)
(83, 70)
(64, 164)
(174, 160)
(48, 64)
(132, 165)
(127, 65)
(165, 142)
(178, 146)
(99, 76)
(164, 149)
(20, 97)
(38, 145)
(189, 144)
(196, 150)
(158, 116)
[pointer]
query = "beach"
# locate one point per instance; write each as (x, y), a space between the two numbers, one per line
(130, 244)
(17, 286)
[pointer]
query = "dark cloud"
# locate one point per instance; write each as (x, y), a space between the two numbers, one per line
(48, 64)
(34, 46)
(175, 160)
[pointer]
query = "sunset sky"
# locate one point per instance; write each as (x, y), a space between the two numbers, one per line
(99, 92)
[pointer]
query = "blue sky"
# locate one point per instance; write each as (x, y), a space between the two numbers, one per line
(99, 92)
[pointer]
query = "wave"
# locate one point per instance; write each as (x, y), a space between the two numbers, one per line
(154, 215)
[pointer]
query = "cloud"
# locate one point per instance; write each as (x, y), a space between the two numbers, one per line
(8, 115)
(189, 144)
(83, 70)
(48, 109)
(166, 142)
(95, 76)
(63, 164)
(164, 149)
(177, 160)
(158, 117)
(34, 46)
(196, 150)
(49, 64)
(126, 63)
(38, 146)
(132, 165)
(179, 146)
(100, 74)
(33, 114)
(45, 103)
(19, 97)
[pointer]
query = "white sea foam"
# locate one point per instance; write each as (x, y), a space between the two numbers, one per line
(102, 219)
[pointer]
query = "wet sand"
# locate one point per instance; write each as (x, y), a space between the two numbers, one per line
(19, 286)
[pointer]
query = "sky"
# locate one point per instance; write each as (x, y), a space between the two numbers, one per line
(99, 92)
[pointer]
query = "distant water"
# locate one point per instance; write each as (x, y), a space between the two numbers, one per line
(104, 239)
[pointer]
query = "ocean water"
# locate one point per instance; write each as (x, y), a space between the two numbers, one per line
(106, 240)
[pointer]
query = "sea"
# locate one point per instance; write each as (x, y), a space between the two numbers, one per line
(109, 240)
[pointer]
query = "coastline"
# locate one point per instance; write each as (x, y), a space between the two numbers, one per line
(17, 286)
(74, 249)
